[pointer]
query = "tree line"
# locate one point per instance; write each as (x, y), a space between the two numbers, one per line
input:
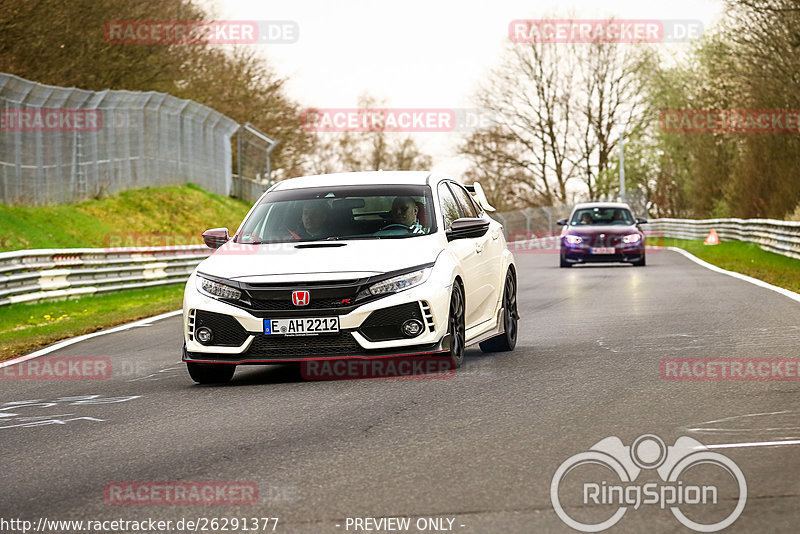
(562, 108)
(559, 109)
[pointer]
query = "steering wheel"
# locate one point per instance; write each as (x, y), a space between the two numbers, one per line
(395, 225)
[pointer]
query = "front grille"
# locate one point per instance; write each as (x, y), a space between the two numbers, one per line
(386, 323)
(283, 304)
(278, 347)
(227, 331)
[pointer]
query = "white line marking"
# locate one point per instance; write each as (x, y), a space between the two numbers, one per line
(72, 341)
(760, 283)
(752, 444)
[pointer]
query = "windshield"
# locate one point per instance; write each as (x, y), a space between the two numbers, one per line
(587, 216)
(340, 212)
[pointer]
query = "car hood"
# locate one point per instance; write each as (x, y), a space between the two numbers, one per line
(331, 260)
(609, 230)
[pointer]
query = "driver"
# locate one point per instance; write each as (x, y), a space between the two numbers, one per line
(314, 218)
(404, 212)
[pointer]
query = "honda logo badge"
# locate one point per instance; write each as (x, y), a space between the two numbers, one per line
(301, 298)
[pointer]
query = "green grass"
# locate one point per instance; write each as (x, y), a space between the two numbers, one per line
(26, 327)
(141, 217)
(742, 257)
(144, 217)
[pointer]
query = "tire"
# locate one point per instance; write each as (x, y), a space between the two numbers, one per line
(639, 263)
(456, 327)
(564, 263)
(210, 373)
(508, 339)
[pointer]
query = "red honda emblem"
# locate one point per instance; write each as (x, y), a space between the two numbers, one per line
(301, 298)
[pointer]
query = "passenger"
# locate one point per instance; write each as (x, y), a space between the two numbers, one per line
(586, 219)
(404, 212)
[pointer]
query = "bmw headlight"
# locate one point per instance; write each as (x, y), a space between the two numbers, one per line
(574, 239)
(215, 289)
(631, 239)
(400, 282)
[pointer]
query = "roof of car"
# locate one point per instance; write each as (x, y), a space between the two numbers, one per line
(583, 205)
(357, 178)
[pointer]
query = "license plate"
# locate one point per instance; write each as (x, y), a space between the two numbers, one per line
(603, 250)
(301, 327)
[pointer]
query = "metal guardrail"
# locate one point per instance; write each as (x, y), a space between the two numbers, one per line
(32, 275)
(780, 237)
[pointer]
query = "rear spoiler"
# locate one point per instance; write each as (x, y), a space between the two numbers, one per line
(477, 192)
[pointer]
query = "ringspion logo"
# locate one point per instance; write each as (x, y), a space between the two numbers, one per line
(607, 488)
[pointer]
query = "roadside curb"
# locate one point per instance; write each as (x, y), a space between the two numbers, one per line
(755, 281)
(71, 341)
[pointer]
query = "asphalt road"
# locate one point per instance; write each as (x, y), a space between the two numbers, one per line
(480, 448)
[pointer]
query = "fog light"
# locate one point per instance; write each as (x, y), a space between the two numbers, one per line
(204, 335)
(412, 328)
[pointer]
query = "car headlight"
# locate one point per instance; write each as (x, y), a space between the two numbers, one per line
(215, 289)
(631, 238)
(400, 282)
(574, 239)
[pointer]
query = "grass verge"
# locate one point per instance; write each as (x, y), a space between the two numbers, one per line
(141, 217)
(742, 257)
(26, 327)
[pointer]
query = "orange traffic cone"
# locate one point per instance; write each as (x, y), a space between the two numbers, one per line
(712, 239)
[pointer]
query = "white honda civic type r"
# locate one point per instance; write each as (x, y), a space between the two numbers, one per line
(352, 265)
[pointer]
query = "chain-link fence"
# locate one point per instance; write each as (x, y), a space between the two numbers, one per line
(540, 222)
(254, 173)
(62, 145)
(531, 222)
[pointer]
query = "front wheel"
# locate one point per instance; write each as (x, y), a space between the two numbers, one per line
(456, 327)
(508, 339)
(639, 263)
(210, 373)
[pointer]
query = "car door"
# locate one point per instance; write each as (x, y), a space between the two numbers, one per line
(489, 260)
(465, 253)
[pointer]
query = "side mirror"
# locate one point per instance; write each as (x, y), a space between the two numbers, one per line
(561, 222)
(467, 227)
(641, 220)
(216, 237)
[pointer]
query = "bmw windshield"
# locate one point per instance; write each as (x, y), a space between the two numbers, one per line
(602, 216)
(340, 212)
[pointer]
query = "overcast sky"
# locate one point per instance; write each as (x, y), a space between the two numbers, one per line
(417, 53)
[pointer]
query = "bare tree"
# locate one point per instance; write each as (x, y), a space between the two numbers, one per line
(560, 108)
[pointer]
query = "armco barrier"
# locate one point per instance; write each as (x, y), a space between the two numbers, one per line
(32, 275)
(780, 237)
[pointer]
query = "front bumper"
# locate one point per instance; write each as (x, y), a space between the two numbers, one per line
(239, 334)
(583, 254)
(257, 358)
